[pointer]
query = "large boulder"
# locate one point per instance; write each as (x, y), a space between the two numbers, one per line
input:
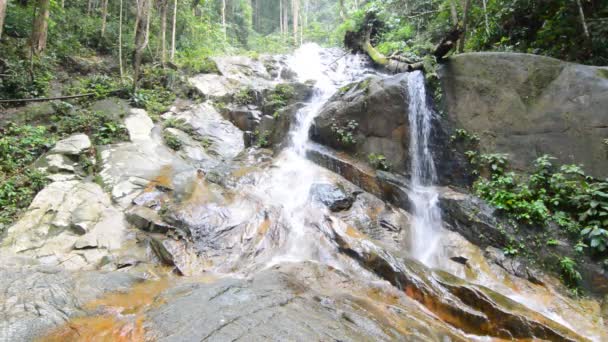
(37, 298)
(72, 224)
(369, 118)
(373, 116)
(528, 105)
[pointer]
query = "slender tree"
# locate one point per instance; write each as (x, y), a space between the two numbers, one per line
(163, 31)
(281, 16)
(582, 17)
(295, 10)
(120, 41)
(2, 14)
(465, 15)
(173, 30)
(40, 26)
(224, 18)
(104, 15)
(141, 37)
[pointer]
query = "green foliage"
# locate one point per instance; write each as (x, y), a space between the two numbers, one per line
(461, 135)
(567, 197)
(171, 140)
(100, 85)
(155, 101)
(379, 161)
(261, 138)
(100, 126)
(245, 96)
(21, 145)
(280, 96)
(569, 272)
(17, 192)
(345, 134)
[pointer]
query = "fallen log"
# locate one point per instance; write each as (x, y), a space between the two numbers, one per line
(67, 97)
(448, 42)
(360, 41)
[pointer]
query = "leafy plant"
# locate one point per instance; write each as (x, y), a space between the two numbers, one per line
(345, 134)
(261, 139)
(569, 272)
(245, 96)
(171, 140)
(379, 161)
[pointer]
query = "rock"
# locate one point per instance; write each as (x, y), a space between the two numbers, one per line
(73, 145)
(529, 105)
(59, 218)
(472, 308)
(130, 167)
(57, 163)
(139, 125)
(333, 197)
(514, 266)
(177, 253)
(297, 302)
(483, 226)
(36, 298)
(378, 106)
(246, 118)
(147, 219)
(226, 140)
(371, 117)
(86, 241)
(384, 185)
(195, 150)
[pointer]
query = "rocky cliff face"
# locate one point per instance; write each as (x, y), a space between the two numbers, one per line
(528, 105)
(370, 118)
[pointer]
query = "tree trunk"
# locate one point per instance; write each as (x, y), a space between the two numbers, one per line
(173, 30)
(89, 7)
(141, 37)
(163, 31)
(120, 41)
(485, 14)
(2, 14)
(224, 18)
(454, 12)
(281, 16)
(342, 10)
(40, 27)
(295, 9)
(104, 15)
(583, 22)
(465, 15)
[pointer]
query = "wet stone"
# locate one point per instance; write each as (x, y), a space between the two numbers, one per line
(332, 196)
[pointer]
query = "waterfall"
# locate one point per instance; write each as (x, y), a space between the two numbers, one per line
(290, 182)
(427, 223)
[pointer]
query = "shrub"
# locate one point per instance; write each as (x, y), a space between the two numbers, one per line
(379, 161)
(171, 140)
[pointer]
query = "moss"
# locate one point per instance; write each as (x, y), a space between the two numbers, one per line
(245, 96)
(172, 141)
(603, 73)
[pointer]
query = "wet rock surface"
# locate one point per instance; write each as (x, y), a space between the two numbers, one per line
(238, 243)
(331, 196)
(38, 298)
(287, 302)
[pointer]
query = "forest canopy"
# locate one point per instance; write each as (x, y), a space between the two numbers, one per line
(38, 36)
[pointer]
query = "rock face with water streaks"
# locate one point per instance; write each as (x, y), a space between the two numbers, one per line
(528, 105)
(232, 230)
(370, 117)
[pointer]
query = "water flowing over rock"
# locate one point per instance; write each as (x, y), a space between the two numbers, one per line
(243, 242)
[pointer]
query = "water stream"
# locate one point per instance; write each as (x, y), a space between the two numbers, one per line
(427, 222)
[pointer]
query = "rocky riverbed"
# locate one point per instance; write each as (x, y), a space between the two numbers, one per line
(234, 235)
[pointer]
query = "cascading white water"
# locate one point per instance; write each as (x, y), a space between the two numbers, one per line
(427, 221)
(289, 184)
